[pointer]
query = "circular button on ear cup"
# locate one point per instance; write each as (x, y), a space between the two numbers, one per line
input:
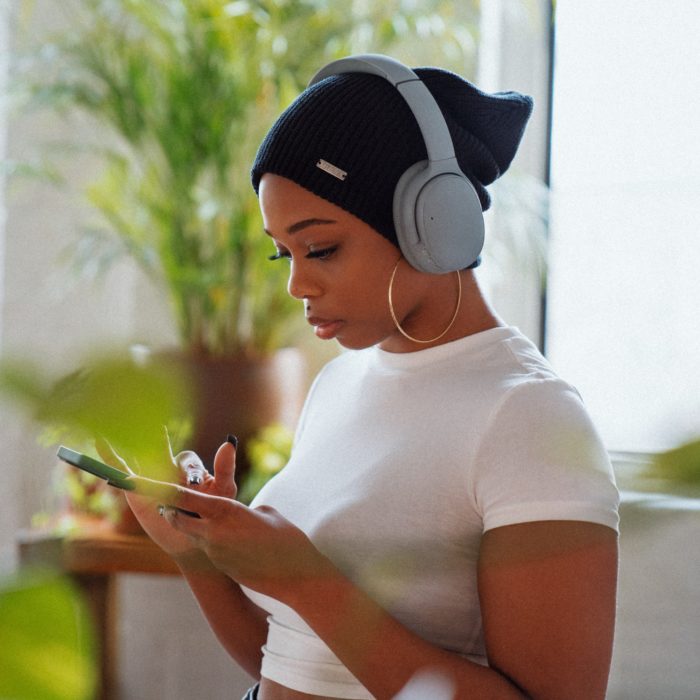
(438, 217)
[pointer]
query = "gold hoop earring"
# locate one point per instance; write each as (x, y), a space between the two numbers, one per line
(396, 321)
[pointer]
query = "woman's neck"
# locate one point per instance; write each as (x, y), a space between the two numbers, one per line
(473, 316)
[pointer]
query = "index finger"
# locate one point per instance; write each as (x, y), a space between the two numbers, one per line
(225, 467)
(205, 505)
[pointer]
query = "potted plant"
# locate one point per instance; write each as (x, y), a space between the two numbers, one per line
(183, 91)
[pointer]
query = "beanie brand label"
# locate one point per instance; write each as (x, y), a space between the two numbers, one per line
(331, 169)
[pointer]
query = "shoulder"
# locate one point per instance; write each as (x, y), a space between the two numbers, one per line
(542, 420)
(488, 371)
(540, 457)
(518, 379)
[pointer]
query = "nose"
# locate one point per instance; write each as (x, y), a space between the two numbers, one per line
(301, 283)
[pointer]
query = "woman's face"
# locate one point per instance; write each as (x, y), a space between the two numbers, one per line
(339, 266)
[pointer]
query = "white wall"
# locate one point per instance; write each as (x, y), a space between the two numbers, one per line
(624, 324)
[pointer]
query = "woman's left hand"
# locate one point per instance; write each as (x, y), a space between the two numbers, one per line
(256, 547)
(185, 467)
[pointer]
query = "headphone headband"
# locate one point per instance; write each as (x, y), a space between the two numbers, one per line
(438, 142)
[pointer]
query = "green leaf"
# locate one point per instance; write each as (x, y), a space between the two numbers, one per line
(112, 397)
(681, 465)
(47, 643)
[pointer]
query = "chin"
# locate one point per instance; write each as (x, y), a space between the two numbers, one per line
(353, 345)
(360, 341)
(350, 343)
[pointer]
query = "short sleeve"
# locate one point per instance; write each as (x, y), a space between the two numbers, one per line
(541, 458)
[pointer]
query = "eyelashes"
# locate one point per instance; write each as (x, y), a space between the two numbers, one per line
(322, 254)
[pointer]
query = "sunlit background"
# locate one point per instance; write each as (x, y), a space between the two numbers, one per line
(592, 251)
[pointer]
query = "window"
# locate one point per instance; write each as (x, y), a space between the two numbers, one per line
(624, 288)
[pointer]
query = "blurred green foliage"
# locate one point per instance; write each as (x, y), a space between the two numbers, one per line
(182, 92)
(47, 643)
(268, 452)
(127, 403)
(680, 465)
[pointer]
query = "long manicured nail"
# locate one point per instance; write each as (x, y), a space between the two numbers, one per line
(233, 440)
(162, 510)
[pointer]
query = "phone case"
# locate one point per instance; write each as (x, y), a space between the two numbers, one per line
(114, 477)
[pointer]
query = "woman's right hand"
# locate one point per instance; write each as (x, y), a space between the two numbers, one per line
(148, 511)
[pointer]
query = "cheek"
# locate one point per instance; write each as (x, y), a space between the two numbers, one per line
(366, 310)
(365, 295)
(360, 296)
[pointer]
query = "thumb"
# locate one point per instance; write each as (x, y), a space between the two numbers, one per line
(225, 467)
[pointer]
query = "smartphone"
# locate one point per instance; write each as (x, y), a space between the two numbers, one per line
(113, 476)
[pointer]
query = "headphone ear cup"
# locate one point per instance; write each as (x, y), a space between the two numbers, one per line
(438, 219)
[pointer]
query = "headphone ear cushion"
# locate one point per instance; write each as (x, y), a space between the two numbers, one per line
(438, 219)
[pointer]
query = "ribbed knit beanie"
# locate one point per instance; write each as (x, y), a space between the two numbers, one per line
(360, 125)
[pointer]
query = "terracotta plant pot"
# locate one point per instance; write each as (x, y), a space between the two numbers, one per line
(240, 395)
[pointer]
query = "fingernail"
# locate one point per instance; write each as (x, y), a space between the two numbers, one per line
(233, 440)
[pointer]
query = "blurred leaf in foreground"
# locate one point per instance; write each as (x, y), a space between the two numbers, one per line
(681, 464)
(127, 403)
(48, 645)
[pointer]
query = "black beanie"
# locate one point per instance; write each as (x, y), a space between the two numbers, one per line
(360, 125)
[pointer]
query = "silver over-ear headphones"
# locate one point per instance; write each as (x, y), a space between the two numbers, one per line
(437, 212)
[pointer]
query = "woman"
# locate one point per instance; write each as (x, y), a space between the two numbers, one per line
(448, 506)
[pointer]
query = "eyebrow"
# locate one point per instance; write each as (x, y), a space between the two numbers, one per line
(305, 223)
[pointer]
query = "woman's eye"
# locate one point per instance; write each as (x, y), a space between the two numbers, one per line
(322, 254)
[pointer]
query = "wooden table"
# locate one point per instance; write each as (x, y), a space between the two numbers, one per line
(93, 555)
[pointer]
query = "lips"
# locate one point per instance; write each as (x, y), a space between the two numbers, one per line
(325, 328)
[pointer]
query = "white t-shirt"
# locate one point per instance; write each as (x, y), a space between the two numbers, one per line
(403, 460)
